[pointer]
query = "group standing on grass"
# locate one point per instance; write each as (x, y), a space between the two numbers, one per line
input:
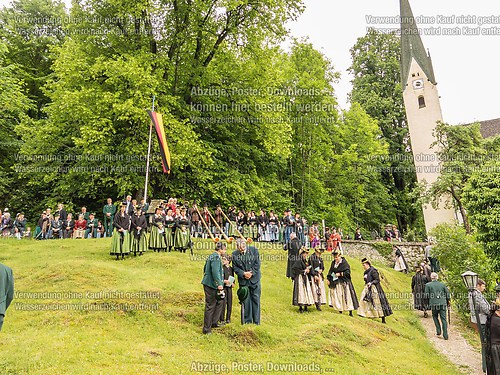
(308, 275)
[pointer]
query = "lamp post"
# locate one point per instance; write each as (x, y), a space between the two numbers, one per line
(470, 281)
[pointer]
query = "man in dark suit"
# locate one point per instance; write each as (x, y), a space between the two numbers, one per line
(130, 206)
(213, 286)
(246, 264)
(6, 290)
(439, 299)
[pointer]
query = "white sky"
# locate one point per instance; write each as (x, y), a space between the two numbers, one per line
(465, 66)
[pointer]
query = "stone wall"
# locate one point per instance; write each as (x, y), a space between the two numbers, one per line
(413, 252)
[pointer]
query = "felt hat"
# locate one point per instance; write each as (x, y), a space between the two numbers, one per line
(243, 293)
(303, 249)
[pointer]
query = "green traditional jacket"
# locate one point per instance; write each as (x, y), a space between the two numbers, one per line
(213, 273)
(438, 293)
(111, 209)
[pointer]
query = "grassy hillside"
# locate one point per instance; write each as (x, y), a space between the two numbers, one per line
(115, 334)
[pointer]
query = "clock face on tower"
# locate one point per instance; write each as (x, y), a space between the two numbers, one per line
(418, 84)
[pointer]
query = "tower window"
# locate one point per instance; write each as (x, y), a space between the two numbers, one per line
(421, 102)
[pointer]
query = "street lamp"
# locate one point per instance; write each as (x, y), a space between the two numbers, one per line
(470, 281)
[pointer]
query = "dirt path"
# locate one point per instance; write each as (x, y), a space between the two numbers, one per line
(456, 348)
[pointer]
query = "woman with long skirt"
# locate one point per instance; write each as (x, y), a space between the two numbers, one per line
(139, 227)
(157, 238)
(342, 294)
(120, 243)
(373, 302)
(302, 284)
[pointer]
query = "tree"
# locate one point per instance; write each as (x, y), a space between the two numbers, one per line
(377, 88)
(30, 29)
(13, 108)
(460, 151)
(481, 197)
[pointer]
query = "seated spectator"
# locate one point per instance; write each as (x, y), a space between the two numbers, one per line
(80, 227)
(91, 228)
(19, 226)
(56, 226)
(6, 225)
(68, 226)
(100, 229)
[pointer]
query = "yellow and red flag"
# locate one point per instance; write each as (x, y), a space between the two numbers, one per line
(160, 132)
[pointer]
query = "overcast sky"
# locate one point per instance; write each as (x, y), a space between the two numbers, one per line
(466, 66)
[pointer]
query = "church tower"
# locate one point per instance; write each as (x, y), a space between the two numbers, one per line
(423, 110)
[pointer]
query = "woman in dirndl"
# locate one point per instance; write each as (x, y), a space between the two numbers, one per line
(317, 278)
(373, 302)
(120, 243)
(302, 283)
(400, 262)
(342, 294)
(157, 238)
(169, 229)
(139, 227)
(182, 238)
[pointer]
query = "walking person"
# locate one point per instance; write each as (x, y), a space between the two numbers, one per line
(342, 294)
(418, 281)
(439, 301)
(373, 302)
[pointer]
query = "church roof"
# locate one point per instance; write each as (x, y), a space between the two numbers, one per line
(412, 45)
(490, 128)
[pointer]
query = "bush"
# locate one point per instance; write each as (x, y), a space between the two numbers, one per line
(458, 252)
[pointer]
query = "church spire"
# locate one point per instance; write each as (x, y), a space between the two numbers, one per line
(412, 46)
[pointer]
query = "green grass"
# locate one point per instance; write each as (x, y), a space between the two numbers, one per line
(168, 339)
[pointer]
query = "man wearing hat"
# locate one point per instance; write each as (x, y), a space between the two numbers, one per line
(6, 290)
(91, 230)
(246, 264)
(213, 286)
(439, 300)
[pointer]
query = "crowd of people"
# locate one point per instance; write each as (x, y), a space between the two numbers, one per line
(258, 225)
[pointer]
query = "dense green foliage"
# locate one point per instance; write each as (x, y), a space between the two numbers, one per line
(247, 122)
(377, 87)
(482, 200)
(460, 151)
(459, 252)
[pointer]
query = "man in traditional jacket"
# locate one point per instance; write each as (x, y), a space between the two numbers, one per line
(213, 287)
(6, 290)
(91, 230)
(293, 247)
(109, 212)
(439, 300)
(246, 264)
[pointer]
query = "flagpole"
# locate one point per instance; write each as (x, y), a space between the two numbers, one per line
(149, 152)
